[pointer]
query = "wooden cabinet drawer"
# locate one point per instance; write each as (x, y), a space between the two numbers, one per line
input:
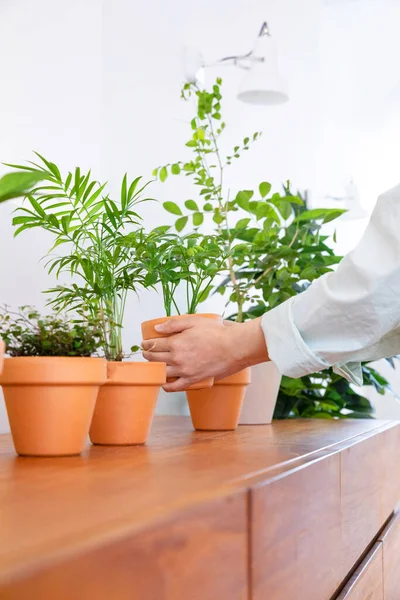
(362, 469)
(390, 490)
(202, 554)
(367, 581)
(296, 534)
(311, 526)
(391, 558)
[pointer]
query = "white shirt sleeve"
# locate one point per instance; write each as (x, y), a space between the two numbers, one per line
(347, 316)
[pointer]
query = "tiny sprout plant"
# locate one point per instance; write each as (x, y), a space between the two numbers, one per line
(90, 226)
(27, 333)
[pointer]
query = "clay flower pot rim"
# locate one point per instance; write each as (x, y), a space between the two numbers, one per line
(53, 370)
(148, 326)
(136, 373)
(240, 378)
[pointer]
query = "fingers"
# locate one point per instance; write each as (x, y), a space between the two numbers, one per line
(177, 386)
(230, 323)
(157, 356)
(173, 371)
(177, 325)
(157, 345)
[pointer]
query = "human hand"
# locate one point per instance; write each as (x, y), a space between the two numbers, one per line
(199, 348)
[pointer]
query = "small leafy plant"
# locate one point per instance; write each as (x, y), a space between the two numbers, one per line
(90, 227)
(192, 261)
(27, 333)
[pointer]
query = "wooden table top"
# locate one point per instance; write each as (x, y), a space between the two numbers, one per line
(49, 507)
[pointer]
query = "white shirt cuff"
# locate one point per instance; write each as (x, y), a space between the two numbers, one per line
(287, 349)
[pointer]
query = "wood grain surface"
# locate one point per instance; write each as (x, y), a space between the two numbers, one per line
(202, 553)
(390, 539)
(367, 581)
(96, 513)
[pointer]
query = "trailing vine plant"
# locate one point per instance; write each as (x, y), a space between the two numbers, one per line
(260, 232)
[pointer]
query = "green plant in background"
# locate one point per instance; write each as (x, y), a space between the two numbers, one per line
(27, 333)
(326, 395)
(192, 261)
(269, 269)
(91, 227)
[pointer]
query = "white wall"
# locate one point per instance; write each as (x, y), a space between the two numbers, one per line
(97, 83)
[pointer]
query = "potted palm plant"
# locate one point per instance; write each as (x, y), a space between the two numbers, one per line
(51, 381)
(90, 227)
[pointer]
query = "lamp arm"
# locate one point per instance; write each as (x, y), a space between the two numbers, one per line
(236, 60)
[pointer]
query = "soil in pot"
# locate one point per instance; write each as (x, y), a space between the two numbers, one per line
(50, 402)
(149, 333)
(218, 408)
(126, 403)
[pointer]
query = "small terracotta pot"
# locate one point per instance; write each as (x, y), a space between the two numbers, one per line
(126, 403)
(2, 350)
(149, 333)
(50, 402)
(218, 408)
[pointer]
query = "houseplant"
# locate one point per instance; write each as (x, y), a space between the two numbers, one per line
(260, 231)
(89, 226)
(50, 382)
(188, 263)
(283, 266)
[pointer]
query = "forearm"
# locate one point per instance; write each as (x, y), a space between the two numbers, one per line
(248, 344)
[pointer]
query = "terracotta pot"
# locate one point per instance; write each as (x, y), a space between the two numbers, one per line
(2, 350)
(50, 402)
(218, 408)
(149, 333)
(126, 403)
(261, 395)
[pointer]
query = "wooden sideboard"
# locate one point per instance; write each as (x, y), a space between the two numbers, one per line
(297, 510)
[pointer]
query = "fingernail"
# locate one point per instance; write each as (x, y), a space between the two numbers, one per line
(159, 328)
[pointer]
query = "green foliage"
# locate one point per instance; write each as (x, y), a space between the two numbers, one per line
(26, 333)
(91, 228)
(272, 244)
(326, 395)
(192, 261)
(19, 183)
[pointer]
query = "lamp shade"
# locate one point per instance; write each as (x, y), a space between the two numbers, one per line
(262, 83)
